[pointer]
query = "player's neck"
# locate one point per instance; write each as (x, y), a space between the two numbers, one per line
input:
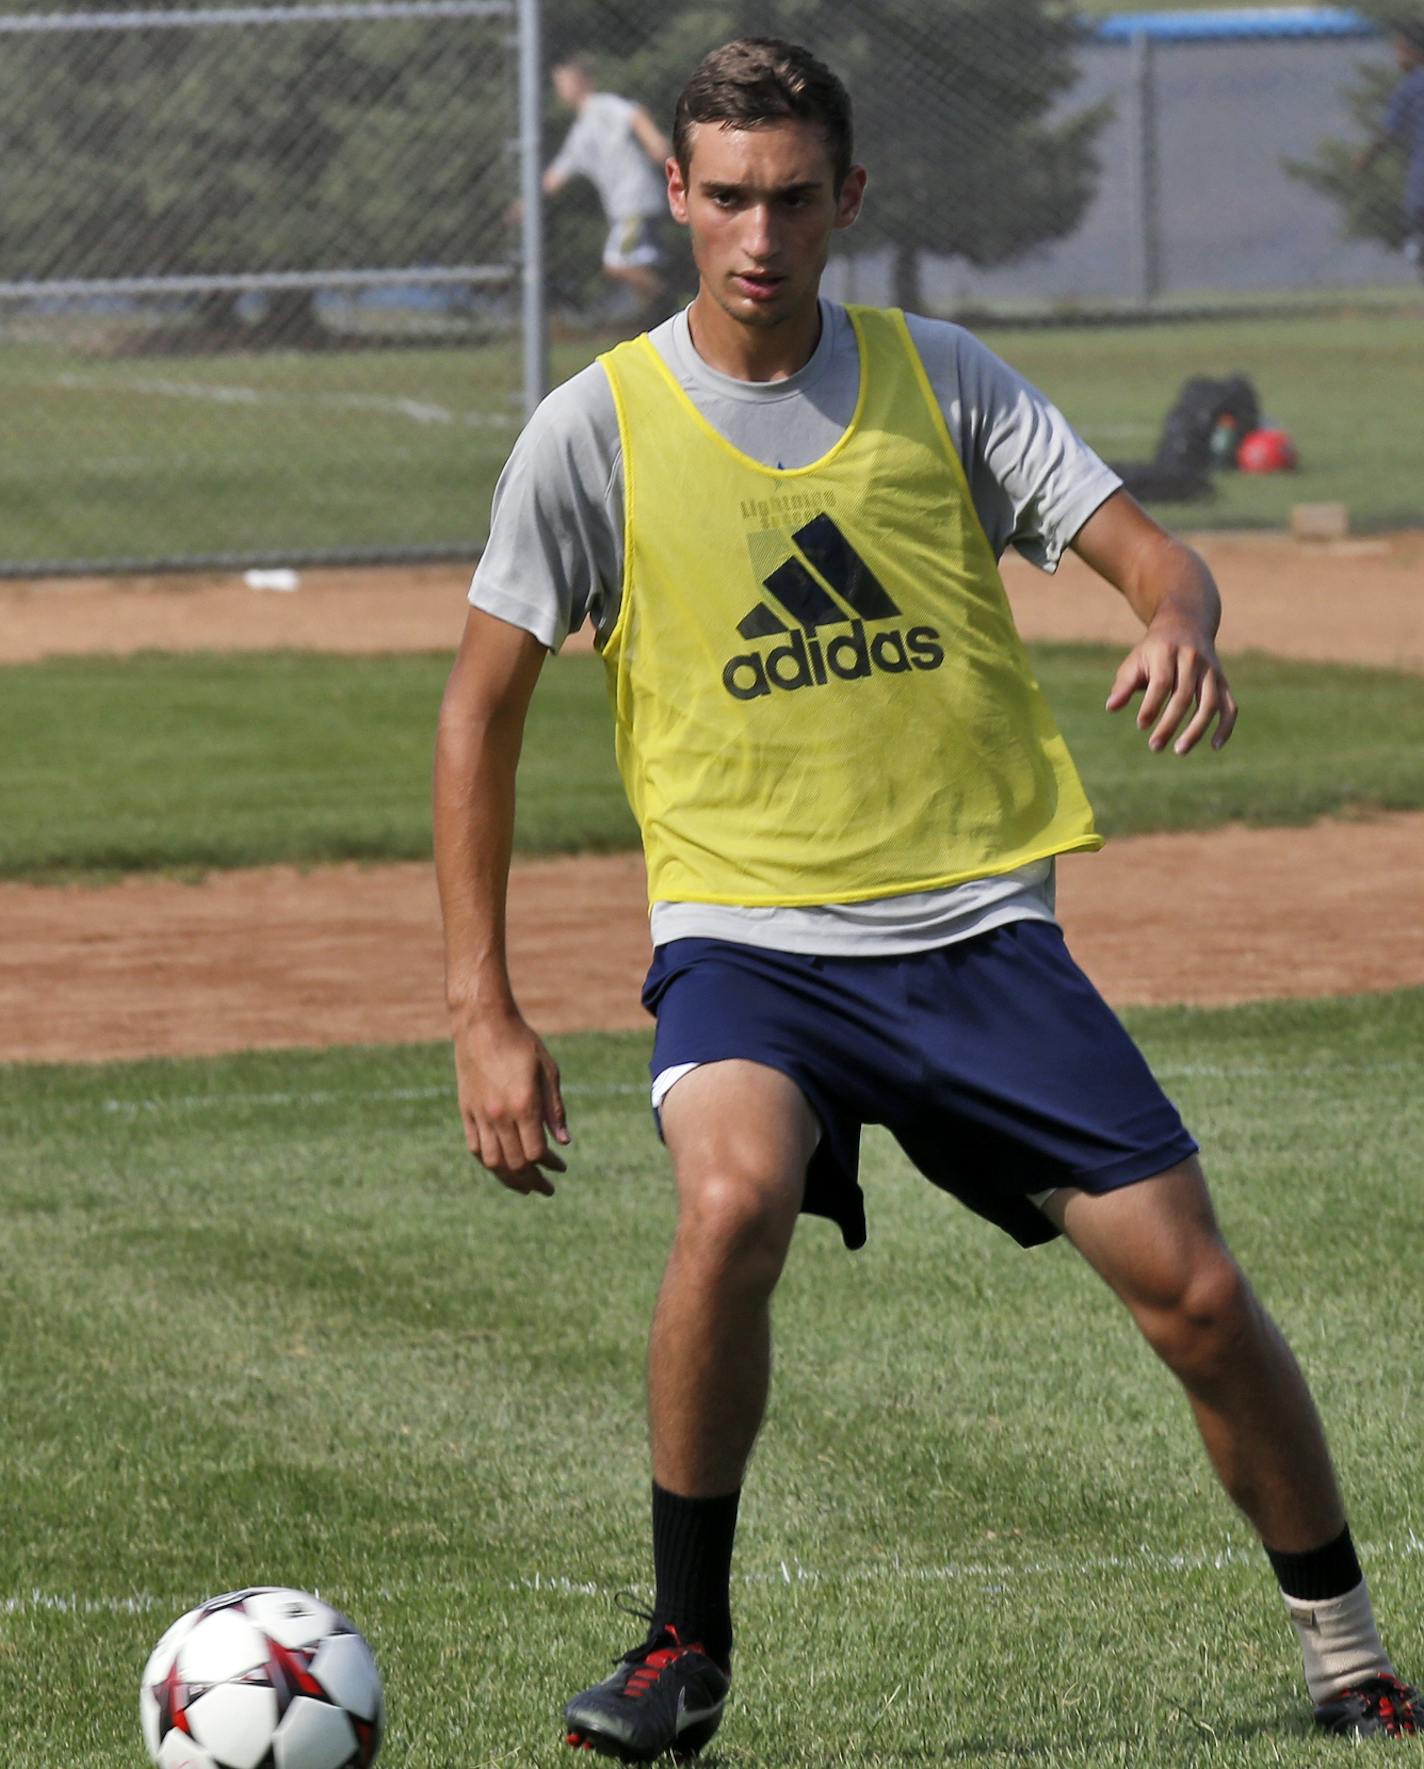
(753, 353)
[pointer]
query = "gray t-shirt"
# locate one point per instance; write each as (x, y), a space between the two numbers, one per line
(555, 558)
(602, 147)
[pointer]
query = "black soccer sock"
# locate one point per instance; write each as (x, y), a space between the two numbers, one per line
(692, 1558)
(1318, 1574)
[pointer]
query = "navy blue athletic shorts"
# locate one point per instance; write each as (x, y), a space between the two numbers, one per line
(993, 1061)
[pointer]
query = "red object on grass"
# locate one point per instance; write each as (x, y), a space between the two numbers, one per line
(1266, 451)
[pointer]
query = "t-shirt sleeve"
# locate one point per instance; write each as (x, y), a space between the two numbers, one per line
(1033, 479)
(554, 557)
(569, 161)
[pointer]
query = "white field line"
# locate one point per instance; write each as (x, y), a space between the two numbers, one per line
(324, 1096)
(72, 1603)
(895, 1572)
(1123, 431)
(786, 1573)
(417, 410)
(1306, 1072)
(318, 1096)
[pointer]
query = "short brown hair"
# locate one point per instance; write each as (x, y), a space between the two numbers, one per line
(758, 80)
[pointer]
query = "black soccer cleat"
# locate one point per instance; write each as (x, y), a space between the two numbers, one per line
(1375, 1707)
(663, 1696)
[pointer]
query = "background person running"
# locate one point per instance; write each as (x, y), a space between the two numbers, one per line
(1402, 126)
(618, 147)
(782, 518)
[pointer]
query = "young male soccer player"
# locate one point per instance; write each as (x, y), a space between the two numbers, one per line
(783, 518)
(1403, 126)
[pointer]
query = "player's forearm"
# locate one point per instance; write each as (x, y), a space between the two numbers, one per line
(475, 764)
(1173, 584)
(1161, 579)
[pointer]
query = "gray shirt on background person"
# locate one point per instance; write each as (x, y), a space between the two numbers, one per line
(555, 558)
(603, 147)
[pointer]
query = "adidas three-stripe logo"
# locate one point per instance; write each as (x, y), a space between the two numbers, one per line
(804, 659)
(837, 561)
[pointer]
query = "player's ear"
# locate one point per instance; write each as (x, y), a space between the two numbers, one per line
(852, 195)
(676, 191)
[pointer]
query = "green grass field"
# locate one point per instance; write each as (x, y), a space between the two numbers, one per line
(1316, 376)
(159, 457)
(187, 762)
(264, 1323)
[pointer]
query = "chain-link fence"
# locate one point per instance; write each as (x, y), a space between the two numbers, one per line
(1214, 179)
(260, 277)
(269, 294)
(1025, 159)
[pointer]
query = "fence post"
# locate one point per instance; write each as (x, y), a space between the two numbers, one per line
(535, 325)
(1147, 235)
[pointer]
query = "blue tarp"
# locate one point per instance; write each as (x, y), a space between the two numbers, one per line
(1228, 24)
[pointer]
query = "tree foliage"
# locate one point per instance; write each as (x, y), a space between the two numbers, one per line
(958, 103)
(176, 151)
(1371, 202)
(336, 144)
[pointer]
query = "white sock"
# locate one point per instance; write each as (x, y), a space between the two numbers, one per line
(1338, 1641)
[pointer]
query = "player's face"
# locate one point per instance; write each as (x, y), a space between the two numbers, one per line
(571, 84)
(761, 205)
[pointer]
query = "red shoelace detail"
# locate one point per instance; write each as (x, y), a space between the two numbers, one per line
(647, 1671)
(642, 1677)
(1397, 1714)
(1396, 1708)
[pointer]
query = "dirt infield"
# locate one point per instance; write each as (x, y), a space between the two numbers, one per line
(275, 957)
(1359, 601)
(348, 955)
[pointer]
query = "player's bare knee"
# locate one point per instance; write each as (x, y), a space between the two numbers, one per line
(737, 1221)
(1202, 1330)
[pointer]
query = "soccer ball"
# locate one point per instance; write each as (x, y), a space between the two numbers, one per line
(262, 1679)
(1268, 450)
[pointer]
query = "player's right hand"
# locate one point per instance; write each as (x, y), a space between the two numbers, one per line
(510, 1102)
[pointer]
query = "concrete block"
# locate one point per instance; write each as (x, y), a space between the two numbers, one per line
(1320, 522)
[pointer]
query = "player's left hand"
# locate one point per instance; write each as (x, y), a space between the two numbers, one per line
(1175, 667)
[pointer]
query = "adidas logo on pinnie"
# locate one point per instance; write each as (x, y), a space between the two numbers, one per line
(807, 657)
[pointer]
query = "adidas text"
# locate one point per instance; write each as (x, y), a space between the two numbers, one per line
(808, 662)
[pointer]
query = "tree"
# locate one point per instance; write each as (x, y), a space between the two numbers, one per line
(389, 143)
(257, 148)
(957, 108)
(1371, 202)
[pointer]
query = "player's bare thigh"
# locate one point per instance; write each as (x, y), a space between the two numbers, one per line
(741, 1133)
(1146, 1239)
